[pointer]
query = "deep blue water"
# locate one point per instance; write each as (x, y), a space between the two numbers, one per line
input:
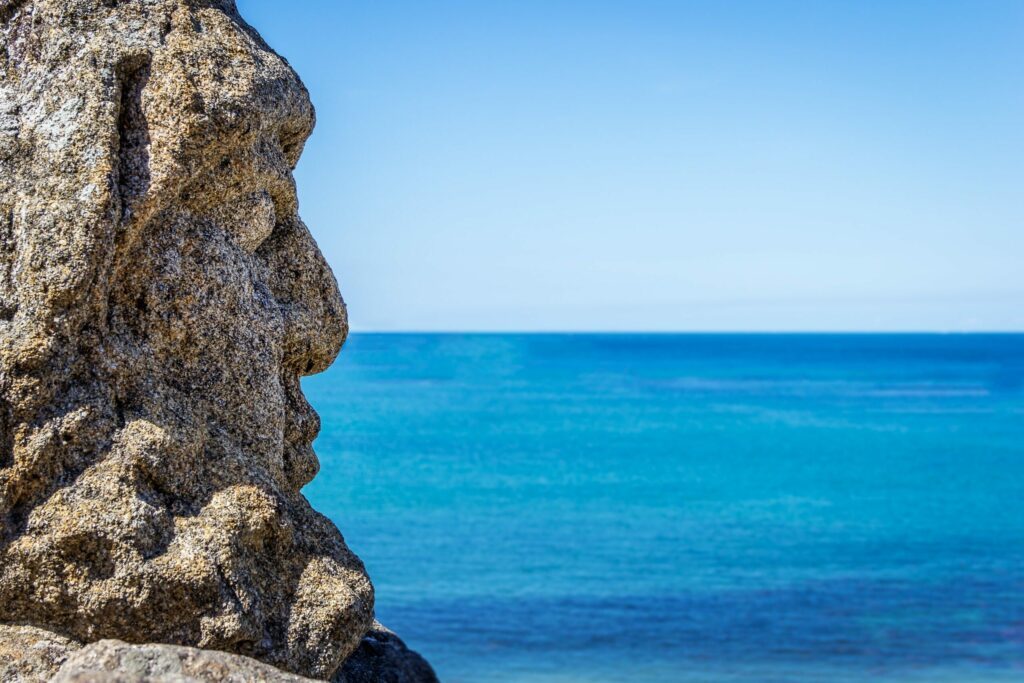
(768, 508)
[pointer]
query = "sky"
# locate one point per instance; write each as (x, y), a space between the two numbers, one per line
(663, 165)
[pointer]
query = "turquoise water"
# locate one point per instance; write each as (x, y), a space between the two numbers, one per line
(766, 508)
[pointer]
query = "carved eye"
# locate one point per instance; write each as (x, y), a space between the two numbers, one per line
(133, 174)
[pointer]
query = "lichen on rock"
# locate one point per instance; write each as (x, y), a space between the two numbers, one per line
(159, 299)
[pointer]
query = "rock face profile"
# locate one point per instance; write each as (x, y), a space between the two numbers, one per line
(159, 300)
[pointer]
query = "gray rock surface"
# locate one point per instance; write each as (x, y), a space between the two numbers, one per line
(30, 654)
(159, 300)
(380, 658)
(112, 661)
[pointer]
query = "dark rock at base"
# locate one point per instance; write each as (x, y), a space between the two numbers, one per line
(382, 657)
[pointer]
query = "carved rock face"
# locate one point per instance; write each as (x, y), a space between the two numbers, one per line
(159, 299)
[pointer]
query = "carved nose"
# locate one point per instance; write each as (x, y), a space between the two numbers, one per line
(315, 319)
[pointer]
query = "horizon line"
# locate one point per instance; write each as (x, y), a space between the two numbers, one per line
(694, 332)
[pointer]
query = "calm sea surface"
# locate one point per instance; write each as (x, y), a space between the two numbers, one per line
(766, 508)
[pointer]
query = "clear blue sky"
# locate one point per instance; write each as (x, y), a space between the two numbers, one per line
(664, 165)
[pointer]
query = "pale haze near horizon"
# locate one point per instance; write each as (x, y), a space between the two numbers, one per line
(664, 166)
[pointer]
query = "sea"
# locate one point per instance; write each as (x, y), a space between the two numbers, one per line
(685, 508)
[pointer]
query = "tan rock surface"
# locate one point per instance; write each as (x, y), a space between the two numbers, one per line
(159, 300)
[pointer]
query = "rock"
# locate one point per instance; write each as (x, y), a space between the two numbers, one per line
(159, 300)
(382, 657)
(31, 654)
(113, 661)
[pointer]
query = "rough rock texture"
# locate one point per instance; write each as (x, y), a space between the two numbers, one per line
(112, 661)
(159, 300)
(31, 654)
(382, 657)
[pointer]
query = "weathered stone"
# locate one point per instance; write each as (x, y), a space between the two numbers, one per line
(30, 654)
(382, 657)
(159, 300)
(112, 661)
